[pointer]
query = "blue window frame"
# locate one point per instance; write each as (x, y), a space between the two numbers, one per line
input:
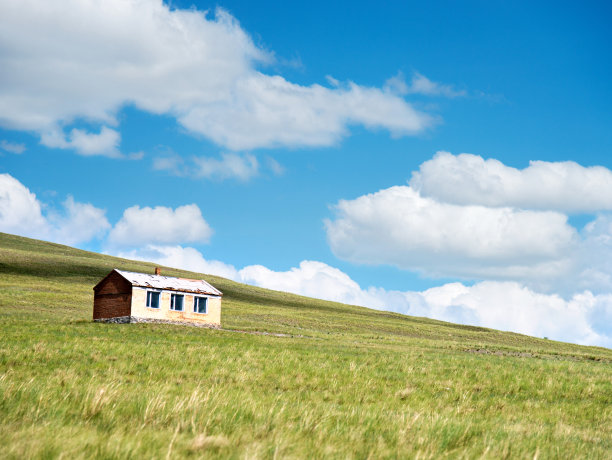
(152, 299)
(200, 305)
(176, 302)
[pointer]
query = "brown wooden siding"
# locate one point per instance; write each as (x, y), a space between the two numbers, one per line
(112, 297)
(112, 305)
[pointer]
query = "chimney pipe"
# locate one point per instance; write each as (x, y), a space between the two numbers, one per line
(157, 271)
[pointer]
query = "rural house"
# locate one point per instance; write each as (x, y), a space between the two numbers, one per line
(127, 297)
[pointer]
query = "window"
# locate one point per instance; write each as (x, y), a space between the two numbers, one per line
(176, 302)
(200, 305)
(152, 299)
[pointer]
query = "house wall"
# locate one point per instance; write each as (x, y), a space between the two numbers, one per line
(112, 297)
(140, 310)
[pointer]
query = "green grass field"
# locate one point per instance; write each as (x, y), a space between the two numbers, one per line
(340, 382)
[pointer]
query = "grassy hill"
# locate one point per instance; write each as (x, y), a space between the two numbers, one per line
(330, 381)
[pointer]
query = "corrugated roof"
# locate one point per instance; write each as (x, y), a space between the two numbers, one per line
(170, 283)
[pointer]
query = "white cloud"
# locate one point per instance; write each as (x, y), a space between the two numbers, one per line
(68, 60)
(469, 179)
(313, 279)
(105, 143)
(139, 227)
(20, 210)
(420, 84)
(583, 318)
(12, 147)
(512, 307)
(21, 213)
(272, 112)
(230, 165)
(594, 259)
(400, 227)
(79, 222)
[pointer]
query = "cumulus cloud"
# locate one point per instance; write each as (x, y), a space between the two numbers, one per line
(20, 210)
(78, 223)
(160, 225)
(12, 147)
(398, 226)
(468, 179)
(201, 69)
(22, 213)
(581, 318)
(105, 143)
(313, 279)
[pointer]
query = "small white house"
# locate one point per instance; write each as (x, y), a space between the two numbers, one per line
(126, 297)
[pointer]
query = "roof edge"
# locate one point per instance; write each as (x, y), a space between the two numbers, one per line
(109, 274)
(213, 291)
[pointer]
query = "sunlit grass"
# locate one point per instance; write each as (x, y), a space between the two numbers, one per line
(347, 382)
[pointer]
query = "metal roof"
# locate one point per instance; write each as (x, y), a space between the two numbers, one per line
(169, 283)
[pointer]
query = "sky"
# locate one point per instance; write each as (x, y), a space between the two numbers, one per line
(439, 159)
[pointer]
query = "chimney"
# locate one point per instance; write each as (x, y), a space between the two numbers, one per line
(157, 271)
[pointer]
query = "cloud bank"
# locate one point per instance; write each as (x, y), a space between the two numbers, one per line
(69, 60)
(583, 318)
(466, 217)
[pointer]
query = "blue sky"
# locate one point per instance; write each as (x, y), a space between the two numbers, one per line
(116, 118)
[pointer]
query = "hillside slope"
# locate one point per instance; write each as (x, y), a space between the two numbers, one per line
(342, 381)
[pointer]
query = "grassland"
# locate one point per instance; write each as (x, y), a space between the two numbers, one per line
(341, 381)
